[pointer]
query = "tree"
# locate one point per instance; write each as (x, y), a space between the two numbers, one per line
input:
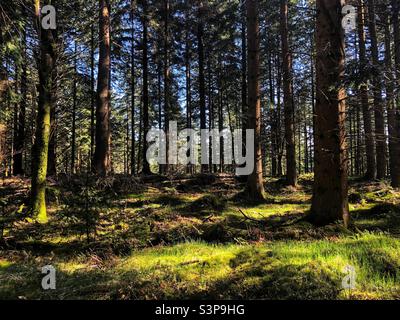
(288, 98)
(102, 156)
(369, 136)
(380, 136)
(145, 116)
(202, 88)
(46, 66)
(330, 199)
(255, 186)
(396, 31)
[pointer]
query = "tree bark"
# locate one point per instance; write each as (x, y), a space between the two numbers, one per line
(369, 136)
(395, 170)
(330, 200)
(145, 122)
(380, 135)
(202, 93)
(255, 184)
(40, 152)
(102, 154)
(291, 174)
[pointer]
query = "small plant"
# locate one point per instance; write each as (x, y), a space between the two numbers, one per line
(84, 205)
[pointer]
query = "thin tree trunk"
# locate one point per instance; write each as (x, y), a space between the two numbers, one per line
(133, 89)
(291, 174)
(369, 136)
(395, 174)
(92, 99)
(146, 166)
(74, 103)
(200, 48)
(380, 136)
(255, 184)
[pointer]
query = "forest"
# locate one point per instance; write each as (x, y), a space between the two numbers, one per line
(199, 149)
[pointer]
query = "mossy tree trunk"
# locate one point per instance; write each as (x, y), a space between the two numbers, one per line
(46, 65)
(330, 199)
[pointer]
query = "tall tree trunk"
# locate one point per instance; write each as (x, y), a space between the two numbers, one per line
(395, 174)
(278, 117)
(390, 100)
(380, 135)
(330, 200)
(291, 174)
(74, 103)
(255, 184)
(244, 75)
(189, 169)
(133, 89)
(92, 100)
(202, 93)
(369, 136)
(40, 153)
(146, 166)
(102, 154)
(167, 78)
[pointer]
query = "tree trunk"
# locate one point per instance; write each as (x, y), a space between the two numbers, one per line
(395, 174)
(74, 102)
(102, 155)
(255, 184)
(380, 136)
(291, 174)
(330, 200)
(146, 166)
(92, 100)
(133, 89)
(40, 153)
(369, 136)
(200, 48)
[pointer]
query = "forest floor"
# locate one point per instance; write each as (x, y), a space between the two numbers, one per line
(196, 239)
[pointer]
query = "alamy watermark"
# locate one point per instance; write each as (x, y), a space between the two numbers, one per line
(185, 146)
(49, 280)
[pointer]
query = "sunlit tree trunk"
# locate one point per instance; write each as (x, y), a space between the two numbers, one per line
(46, 65)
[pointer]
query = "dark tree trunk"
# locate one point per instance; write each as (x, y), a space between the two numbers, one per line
(291, 174)
(202, 93)
(133, 89)
(102, 154)
(146, 166)
(255, 183)
(330, 202)
(369, 136)
(395, 174)
(380, 135)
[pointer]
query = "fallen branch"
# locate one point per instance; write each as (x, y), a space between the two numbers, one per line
(251, 219)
